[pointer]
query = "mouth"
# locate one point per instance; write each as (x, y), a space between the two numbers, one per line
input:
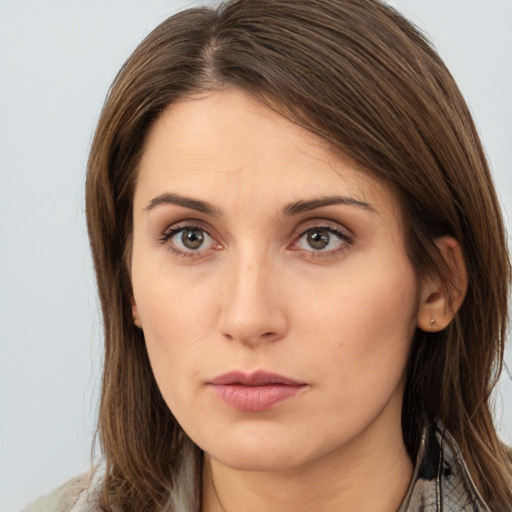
(256, 391)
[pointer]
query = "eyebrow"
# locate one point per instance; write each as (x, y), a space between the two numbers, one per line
(186, 202)
(312, 204)
(289, 210)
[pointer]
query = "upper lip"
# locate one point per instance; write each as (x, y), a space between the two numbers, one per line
(258, 378)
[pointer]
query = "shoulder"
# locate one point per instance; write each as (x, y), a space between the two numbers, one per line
(76, 495)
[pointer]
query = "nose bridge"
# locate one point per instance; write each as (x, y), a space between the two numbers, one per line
(252, 310)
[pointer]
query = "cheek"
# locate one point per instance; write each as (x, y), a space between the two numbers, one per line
(174, 330)
(361, 322)
(175, 345)
(169, 302)
(177, 317)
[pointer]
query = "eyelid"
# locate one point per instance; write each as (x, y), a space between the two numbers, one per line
(344, 235)
(191, 223)
(328, 225)
(172, 230)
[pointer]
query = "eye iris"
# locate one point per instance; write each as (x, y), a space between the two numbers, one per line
(192, 238)
(318, 239)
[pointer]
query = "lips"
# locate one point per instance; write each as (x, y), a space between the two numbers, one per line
(254, 392)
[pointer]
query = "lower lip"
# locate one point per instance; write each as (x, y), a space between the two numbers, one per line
(255, 398)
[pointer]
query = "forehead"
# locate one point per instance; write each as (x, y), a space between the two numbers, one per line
(227, 146)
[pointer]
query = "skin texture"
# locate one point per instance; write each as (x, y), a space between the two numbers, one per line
(256, 295)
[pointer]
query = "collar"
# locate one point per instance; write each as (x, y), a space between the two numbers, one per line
(441, 481)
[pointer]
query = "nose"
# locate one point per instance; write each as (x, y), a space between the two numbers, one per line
(253, 309)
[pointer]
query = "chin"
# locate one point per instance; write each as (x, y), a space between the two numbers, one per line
(266, 451)
(256, 459)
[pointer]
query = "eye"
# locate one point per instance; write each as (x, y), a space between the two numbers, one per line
(322, 239)
(189, 239)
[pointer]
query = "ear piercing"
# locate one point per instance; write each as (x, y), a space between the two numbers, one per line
(432, 322)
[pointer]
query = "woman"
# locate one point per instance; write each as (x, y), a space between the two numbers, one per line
(302, 268)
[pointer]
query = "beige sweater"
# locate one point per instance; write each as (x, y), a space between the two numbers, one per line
(73, 496)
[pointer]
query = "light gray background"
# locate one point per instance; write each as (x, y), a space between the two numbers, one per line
(57, 60)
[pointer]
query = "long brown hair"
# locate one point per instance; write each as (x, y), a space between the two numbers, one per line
(358, 74)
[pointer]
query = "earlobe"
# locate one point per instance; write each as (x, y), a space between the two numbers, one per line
(439, 299)
(135, 313)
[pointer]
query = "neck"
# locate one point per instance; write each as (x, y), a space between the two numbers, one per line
(373, 473)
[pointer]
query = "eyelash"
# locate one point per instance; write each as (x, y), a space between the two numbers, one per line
(174, 230)
(345, 240)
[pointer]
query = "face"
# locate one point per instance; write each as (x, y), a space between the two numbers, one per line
(272, 284)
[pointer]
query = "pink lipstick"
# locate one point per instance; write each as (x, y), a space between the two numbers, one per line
(254, 392)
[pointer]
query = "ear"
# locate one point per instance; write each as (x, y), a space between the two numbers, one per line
(440, 300)
(135, 313)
